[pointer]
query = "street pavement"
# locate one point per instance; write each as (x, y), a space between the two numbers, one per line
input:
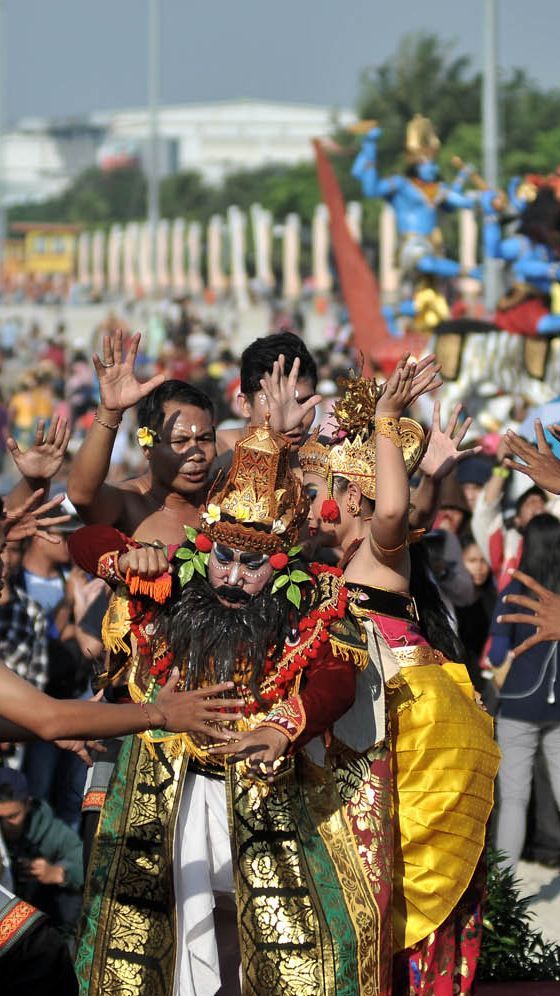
(543, 884)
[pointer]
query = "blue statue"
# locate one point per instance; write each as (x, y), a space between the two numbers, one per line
(417, 197)
(530, 306)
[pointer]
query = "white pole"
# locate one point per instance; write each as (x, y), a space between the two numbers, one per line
(490, 132)
(153, 101)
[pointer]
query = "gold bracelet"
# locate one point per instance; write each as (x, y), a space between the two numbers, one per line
(107, 425)
(386, 425)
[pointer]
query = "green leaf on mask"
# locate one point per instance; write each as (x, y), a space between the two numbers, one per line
(186, 572)
(190, 533)
(299, 576)
(295, 550)
(184, 554)
(199, 565)
(279, 582)
(294, 595)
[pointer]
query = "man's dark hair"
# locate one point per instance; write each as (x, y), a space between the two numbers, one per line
(535, 490)
(259, 358)
(150, 409)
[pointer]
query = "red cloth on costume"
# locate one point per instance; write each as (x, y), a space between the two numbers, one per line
(523, 318)
(89, 543)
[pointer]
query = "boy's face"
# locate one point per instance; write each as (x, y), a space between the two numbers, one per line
(12, 818)
(253, 408)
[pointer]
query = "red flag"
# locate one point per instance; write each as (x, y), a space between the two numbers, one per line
(358, 283)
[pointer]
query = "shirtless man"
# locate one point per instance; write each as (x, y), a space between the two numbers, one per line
(179, 448)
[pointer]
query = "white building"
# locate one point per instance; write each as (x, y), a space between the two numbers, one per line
(218, 138)
(43, 157)
(40, 158)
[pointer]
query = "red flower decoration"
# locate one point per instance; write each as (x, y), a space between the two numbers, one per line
(330, 511)
(278, 561)
(203, 543)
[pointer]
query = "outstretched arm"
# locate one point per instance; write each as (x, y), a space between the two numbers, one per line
(119, 389)
(28, 713)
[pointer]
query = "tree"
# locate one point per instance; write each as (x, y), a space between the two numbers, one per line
(423, 77)
(186, 195)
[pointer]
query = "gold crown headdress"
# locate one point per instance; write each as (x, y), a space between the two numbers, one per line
(261, 505)
(354, 458)
(421, 139)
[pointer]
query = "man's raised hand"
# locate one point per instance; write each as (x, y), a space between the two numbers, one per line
(119, 387)
(443, 453)
(542, 611)
(44, 457)
(539, 464)
(280, 391)
(27, 520)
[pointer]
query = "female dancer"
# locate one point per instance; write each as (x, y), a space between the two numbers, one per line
(444, 756)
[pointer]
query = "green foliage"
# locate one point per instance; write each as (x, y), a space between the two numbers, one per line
(425, 76)
(184, 194)
(95, 198)
(512, 950)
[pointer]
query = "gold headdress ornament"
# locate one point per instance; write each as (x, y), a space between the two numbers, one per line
(421, 139)
(354, 457)
(261, 505)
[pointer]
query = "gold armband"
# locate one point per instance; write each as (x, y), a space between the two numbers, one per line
(386, 425)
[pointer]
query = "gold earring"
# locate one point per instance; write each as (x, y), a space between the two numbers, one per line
(352, 508)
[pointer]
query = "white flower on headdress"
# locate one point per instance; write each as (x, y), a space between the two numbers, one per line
(278, 526)
(212, 514)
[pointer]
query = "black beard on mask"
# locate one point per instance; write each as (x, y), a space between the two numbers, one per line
(211, 638)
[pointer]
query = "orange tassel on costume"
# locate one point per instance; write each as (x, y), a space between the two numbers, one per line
(158, 590)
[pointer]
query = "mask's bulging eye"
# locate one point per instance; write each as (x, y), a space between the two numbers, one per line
(223, 554)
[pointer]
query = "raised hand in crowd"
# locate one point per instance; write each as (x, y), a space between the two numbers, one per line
(426, 376)
(119, 387)
(539, 463)
(542, 612)
(443, 453)
(42, 461)
(32, 518)
(280, 391)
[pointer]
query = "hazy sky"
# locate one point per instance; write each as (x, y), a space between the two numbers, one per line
(68, 56)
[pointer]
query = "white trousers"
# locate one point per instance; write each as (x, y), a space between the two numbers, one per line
(207, 947)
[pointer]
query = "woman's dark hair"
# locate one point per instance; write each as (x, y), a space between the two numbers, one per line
(467, 539)
(150, 409)
(541, 550)
(435, 623)
(258, 359)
